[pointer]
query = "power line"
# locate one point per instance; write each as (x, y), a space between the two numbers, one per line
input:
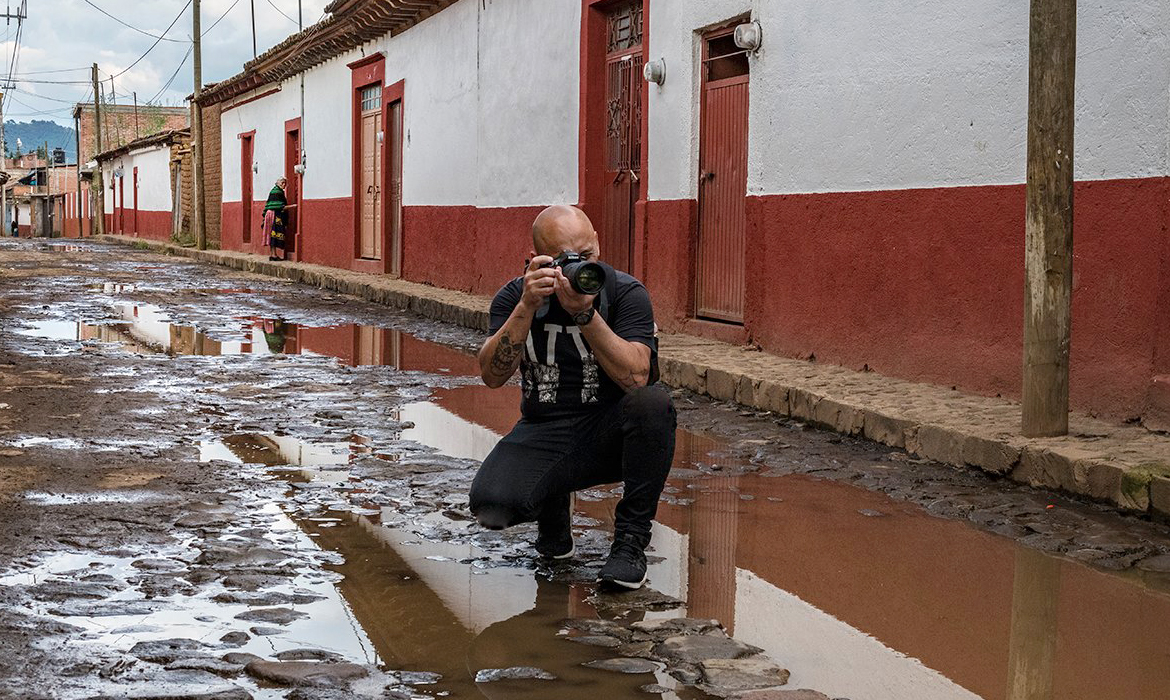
(144, 55)
(164, 88)
(131, 26)
(55, 70)
(225, 14)
(281, 12)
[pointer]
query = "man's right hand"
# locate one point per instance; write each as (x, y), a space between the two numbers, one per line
(539, 282)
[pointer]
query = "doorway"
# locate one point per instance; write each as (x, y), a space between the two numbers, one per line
(723, 144)
(292, 158)
(393, 176)
(370, 179)
(246, 155)
(623, 132)
(135, 195)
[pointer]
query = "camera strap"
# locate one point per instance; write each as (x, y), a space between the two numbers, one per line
(609, 291)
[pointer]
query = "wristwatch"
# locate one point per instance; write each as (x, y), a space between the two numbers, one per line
(584, 317)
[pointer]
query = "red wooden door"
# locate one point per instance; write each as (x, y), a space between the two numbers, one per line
(135, 193)
(292, 192)
(122, 204)
(722, 247)
(393, 177)
(246, 186)
(623, 158)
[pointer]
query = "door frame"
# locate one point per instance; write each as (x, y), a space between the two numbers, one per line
(392, 222)
(247, 147)
(591, 183)
(292, 129)
(364, 72)
(716, 31)
(135, 194)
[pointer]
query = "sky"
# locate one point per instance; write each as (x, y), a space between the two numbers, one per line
(67, 37)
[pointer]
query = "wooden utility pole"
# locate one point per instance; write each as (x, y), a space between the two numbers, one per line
(136, 134)
(197, 131)
(1048, 253)
(253, 4)
(98, 218)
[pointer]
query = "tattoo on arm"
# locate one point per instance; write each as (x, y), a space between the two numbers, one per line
(505, 357)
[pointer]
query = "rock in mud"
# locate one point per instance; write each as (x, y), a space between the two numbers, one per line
(655, 689)
(623, 665)
(597, 641)
(158, 564)
(783, 695)
(276, 616)
(661, 630)
(165, 651)
(418, 677)
(611, 602)
(1159, 564)
(60, 591)
(308, 655)
(692, 649)
(306, 673)
(235, 639)
(105, 609)
(240, 657)
(206, 663)
(262, 631)
(729, 676)
(515, 673)
(240, 556)
(266, 599)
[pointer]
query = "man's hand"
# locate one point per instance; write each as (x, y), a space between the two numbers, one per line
(571, 301)
(539, 282)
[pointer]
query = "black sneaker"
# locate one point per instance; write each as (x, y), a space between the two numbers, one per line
(555, 530)
(626, 566)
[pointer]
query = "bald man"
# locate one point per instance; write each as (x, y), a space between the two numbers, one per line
(591, 413)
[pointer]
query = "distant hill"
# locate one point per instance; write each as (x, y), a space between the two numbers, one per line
(35, 133)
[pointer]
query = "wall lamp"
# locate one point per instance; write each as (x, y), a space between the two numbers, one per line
(655, 71)
(749, 36)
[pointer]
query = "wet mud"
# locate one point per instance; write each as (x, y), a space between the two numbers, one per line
(220, 485)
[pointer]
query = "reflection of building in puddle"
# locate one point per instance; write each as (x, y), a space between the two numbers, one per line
(858, 595)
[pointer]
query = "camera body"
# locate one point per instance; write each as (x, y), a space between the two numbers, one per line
(584, 276)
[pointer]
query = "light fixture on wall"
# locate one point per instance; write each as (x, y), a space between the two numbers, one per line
(749, 36)
(655, 71)
(255, 167)
(118, 171)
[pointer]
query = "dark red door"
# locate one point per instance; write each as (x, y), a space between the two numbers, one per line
(722, 247)
(135, 194)
(292, 156)
(623, 136)
(122, 204)
(246, 185)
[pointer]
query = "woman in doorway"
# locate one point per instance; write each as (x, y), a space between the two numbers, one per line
(276, 219)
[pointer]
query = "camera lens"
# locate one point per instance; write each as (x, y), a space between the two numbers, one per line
(586, 277)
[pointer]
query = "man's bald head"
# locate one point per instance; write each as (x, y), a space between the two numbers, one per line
(561, 227)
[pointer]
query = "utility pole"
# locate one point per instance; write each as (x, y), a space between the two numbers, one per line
(3, 190)
(1049, 229)
(197, 131)
(135, 94)
(253, 4)
(98, 214)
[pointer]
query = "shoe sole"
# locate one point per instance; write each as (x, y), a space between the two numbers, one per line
(629, 585)
(561, 557)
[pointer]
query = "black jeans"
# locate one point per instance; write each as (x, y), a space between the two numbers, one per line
(531, 472)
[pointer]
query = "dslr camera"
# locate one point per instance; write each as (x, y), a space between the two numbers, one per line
(585, 277)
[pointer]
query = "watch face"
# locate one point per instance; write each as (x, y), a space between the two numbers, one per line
(583, 317)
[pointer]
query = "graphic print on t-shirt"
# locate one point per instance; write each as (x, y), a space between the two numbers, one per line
(544, 377)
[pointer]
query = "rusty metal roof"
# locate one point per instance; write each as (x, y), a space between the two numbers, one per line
(350, 24)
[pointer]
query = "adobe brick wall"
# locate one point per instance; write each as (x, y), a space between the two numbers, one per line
(121, 126)
(212, 175)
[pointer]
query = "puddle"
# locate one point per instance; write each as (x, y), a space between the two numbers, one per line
(857, 594)
(94, 497)
(147, 329)
(66, 248)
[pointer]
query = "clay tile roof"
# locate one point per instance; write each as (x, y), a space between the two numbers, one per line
(151, 140)
(349, 24)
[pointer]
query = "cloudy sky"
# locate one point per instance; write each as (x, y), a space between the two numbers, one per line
(61, 39)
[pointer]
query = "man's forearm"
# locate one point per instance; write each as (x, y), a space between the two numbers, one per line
(627, 363)
(501, 354)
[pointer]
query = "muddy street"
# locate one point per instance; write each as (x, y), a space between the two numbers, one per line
(222, 485)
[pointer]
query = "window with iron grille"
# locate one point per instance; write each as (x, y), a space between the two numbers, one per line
(625, 27)
(371, 98)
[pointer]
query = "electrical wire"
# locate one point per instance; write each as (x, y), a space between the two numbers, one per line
(225, 14)
(131, 26)
(167, 86)
(156, 41)
(281, 12)
(55, 70)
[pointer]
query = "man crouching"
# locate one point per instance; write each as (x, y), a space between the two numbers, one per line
(580, 427)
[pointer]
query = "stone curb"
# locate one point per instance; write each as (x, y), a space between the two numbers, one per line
(1126, 466)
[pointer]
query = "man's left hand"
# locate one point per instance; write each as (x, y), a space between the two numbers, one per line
(571, 301)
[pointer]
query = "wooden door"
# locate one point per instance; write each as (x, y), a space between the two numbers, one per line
(394, 179)
(135, 194)
(370, 196)
(246, 186)
(722, 245)
(623, 158)
(292, 192)
(122, 204)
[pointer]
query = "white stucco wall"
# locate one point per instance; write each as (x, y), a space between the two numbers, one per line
(490, 117)
(154, 178)
(892, 94)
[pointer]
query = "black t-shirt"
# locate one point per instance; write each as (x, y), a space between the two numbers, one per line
(565, 379)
